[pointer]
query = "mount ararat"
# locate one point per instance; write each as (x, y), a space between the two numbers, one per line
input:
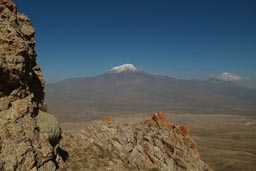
(126, 89)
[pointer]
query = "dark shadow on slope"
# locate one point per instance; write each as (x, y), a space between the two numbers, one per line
(64, 154)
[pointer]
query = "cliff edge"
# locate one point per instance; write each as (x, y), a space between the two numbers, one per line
(23, 147)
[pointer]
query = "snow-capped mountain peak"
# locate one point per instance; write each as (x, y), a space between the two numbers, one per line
(226, 76)
(124, 68)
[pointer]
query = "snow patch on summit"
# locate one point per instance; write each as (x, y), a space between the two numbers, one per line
(226, 76)
(124, 68)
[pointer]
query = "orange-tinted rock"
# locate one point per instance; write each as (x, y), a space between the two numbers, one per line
(149, 145)
(161, 120)
(193, 146)
(108, 121)
(147, 149)
(149, 121)
(22, 146)
(184, 129)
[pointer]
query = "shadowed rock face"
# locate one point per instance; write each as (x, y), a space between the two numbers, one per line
(22, 147)
(151, 145)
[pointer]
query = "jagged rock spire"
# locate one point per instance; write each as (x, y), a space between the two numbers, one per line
(21, 94)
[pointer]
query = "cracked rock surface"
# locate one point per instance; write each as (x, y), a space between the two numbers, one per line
(22, 147)
(151, 145)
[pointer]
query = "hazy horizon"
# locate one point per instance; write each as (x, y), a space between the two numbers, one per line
(189, 40)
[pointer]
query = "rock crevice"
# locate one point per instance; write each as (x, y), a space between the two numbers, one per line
(22, 146)
(154, 144)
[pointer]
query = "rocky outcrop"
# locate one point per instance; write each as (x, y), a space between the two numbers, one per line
(22, 146)
(152, 145)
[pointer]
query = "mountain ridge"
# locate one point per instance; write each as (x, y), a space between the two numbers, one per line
(126, 69)
(141, 91)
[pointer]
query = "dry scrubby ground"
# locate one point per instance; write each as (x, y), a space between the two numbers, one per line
(225, 142)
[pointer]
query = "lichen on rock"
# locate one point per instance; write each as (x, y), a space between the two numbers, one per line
(154, 144)
(49, 127)
(21, 94)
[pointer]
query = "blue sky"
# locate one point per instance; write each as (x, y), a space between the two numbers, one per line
(180, 38)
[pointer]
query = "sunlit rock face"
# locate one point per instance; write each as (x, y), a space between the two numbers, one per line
(154, 144)
(22, 147)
